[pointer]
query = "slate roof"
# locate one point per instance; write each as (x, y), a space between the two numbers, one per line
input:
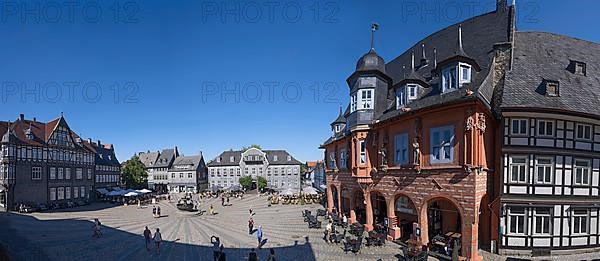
(148, 158)
(540, 56)
(237, 154)
(479, 35)
(186, 163)
(166, 158)
(107, 151)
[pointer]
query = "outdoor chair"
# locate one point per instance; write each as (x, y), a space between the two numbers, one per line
(423, 256)
(347, 246)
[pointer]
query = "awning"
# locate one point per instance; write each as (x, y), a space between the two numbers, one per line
(102, 191)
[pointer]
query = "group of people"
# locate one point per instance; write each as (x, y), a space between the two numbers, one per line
(220, 255)
(156, 211)
(157, 239)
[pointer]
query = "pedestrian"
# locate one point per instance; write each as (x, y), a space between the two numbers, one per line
(328, 229)
(345, 220)
(259, 235)
(250, 211)
(252, 255)
(250, 226)
(154, 211)
(216, 242)
(158, 211)
(228, 200)
(211, 210)
(222, 201)
(148, 238)
(221, 254)
(96, 227)
(157, 240)
(271, 256)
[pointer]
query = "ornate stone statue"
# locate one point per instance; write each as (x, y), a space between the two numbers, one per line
(416, 152)
(383, 153)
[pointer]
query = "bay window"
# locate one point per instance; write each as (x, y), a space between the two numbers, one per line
(363, 152)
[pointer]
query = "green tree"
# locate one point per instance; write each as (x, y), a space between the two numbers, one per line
(256, 146)
(134, 173)
(261, 183)
(246, 182)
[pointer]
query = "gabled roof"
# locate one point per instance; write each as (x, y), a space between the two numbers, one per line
(185, 163)
(281, 155)
(105, 153)
(148, 158)
(166, 158)
(542, 56)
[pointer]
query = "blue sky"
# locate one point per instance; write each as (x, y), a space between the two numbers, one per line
(156, 74)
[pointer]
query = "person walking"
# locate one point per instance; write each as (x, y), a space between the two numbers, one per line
(211, 210)
(154, 211)
(259, 235)
(158, 211)
(222, 201)
(271, 256)
(250, 226)
(250, 211)
(252, 255)
(157, 240)
(228, 200)
(216, 242)
(221, 254)
(148, 238)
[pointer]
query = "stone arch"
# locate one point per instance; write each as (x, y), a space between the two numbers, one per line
(401, 216)
(444, 221)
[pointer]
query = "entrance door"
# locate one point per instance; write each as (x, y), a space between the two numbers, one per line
(434, 219)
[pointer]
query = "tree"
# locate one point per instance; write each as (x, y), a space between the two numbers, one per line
(246, 182)
(261, 183)
(134, 173)
(256, 146)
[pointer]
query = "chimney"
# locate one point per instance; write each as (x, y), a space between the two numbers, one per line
(500, 5)
(90, 141)
(99, 143)
(34, 119)
(22, 116)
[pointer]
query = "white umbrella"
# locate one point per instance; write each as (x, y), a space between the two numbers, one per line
(131, 194)
(143, 191)
(115, 193)
(310, 191)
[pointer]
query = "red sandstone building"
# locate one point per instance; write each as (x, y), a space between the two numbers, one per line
(416, 146)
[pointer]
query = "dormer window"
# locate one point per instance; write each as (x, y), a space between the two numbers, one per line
(400, 98)
(362, 100)
(454, 76)
(552, 88)
(231, 158)
(274, 157)
(218, 159)
(289, 158)
(411, 91)
(577, 67)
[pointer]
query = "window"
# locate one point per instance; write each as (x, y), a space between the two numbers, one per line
(516, 220)
(231, 158)
(551, 88)
(67, 192)
(89, 173)
(60, 173)
(173, 174)
(544, 170)
(545, 128)
(465, 73)
(52, 173)
(274, 157)
(582, 172)
(584, 132)
(580, 221)
(343, 158)
(52, 194)
(519, 127)
(67, 173)
(353, 102)
(411, 90)
(400, 97)
(82, 191)
(401, 149)
(442, 144)
(449, 79)
(518, 169)
(60, 193)
(189, 175)
(542, 221)
(366, 99)
(36, 173)
(75, 192)
(180, 175)
(577, 67)
(363, 152)
(79, 173)
(332, 164)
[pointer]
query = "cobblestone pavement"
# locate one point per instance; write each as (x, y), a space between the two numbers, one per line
(67, 235)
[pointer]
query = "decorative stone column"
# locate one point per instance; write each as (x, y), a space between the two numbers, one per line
(340, 208)
(469, 239)
(329, 199)
(369, 211)
(393, 229)
(423, 224)
(352, 217)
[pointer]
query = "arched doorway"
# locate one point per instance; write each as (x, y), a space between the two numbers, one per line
(444, 224)
(484, 228)
(360, 207)
(406, 214)
(379, 207)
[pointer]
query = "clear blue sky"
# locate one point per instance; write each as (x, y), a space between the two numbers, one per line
(174, 52)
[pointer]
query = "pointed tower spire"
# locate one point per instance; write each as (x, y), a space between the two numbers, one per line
(374, 27)
(434, 57)
(423, 52)
(460, 45)
(412, 61)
